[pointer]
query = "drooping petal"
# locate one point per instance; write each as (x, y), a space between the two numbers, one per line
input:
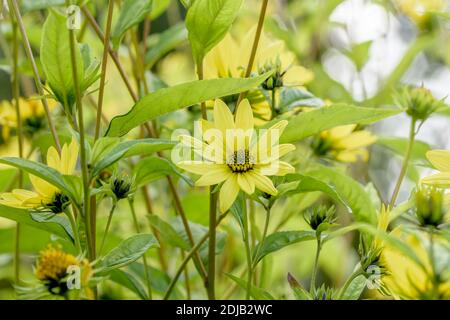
(198, 167)
(276, 152)
(340, 132)
(263, 183)
(267, 140)
(276, 168)
(215, 176)
(298, 75)
(43, 188)
(350, 156)
(356, 140)
(247, 185)
(228, 193)
(440, 159)
(53, 159)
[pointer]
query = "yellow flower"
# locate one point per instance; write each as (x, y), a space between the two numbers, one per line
(45, 194)
(52, 269)
(407, 279)
(230, 59)
(418, 10)
(344, 144)
(441, 161)
(232, 154)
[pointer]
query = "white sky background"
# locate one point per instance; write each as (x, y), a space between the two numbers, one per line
(362, 21)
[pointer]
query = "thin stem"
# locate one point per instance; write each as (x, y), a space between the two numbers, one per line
(251, 61)
(212, 244)
(264, 235)
(73, 225)
(83, 156)
(186, 277)
(16, 94)
(187, 228)
(274, 102)
(316, 265)
(249, 258)
(404, 169)
(200, 76)
(13, 4)
(144, 258)
(108, 223)
(104, 65)
(188, 257)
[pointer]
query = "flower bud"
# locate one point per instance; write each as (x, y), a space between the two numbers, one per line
(419, 103)
(121, 186)
(320, 218)
(276, 79)
(430, 210)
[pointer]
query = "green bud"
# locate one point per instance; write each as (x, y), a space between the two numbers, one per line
(324, 293)
(430, 210)
(276, 79)
(121, 186)
(419, 102)
(320, 218)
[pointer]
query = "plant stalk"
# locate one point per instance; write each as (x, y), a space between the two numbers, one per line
(108, 223)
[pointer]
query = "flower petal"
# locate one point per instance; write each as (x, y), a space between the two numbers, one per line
(276, 168)
(244, 116)
(214, 176)
(263, 183)
(223, 119)
(356, 140)
(439, 180)
(246, 184)
(228, 193)
(440, 159)
(198, 167)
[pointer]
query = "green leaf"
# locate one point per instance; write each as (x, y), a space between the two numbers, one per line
(207, 22)
(312, 122)
(161, 43)
(297, 183)
(278, 240)
(132, 12)
(299, 292)
(239, 211)
(129, 281)
(255, 292)
(127, 252)
(102, 147)
(359, 54)
(130, 148)
(56, 59)
(153, 168)
(180, 96)
(158, 8)
(46, 216)
(42, 171)
(355, 289)
(291, 98)
(23, 216)
(350, 190)
(168, 234)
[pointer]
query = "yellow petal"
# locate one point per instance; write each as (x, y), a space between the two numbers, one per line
(298, 75)
(244, 116)
(223, 119)
(276, 168)
(228, 193)
(355, 140)
(340, 132)
(43, 188)
(53, 160)
(198, 167)
(214, 176)
(263, 183)
(439, 180)
(277, 152)
(440, 159)
(246, 184)
(350, 156)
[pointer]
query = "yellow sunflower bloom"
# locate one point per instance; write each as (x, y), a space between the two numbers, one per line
(232, 155)
(230, 59)
(344, 144)
(45, 194)
(441, 161)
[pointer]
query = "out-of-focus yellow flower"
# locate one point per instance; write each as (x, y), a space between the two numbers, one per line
(230, 59)
(176, 68)
(52, 269)
(344, 144)
(45, 194)
(418, 10)
(441, 161)
(404, 277)
(234, 156)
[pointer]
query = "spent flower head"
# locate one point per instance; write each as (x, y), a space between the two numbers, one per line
(430, 209)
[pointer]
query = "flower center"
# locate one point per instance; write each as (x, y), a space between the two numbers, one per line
(240, 161)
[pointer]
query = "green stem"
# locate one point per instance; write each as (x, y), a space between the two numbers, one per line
(108, 223)
(251, 61)
(316, 264)
(264, 235)
(188, 257)
(83, 156)
(74, 227)
(200, 76)
(274, 103)
(144, 258)
(13, 4)
(249, 257)
(104, 65)
(404, 169)
(212, 244)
